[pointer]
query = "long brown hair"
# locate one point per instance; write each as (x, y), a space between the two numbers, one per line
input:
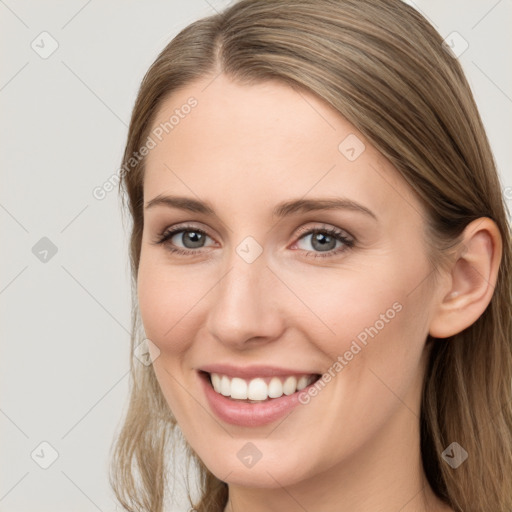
(383, 67)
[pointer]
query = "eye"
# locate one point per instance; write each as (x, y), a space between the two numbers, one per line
(316, 242)
(329, 241)
(185, 239)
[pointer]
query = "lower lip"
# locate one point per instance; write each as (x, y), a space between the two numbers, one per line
(246, 414)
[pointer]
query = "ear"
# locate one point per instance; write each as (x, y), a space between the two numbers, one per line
(470, 280)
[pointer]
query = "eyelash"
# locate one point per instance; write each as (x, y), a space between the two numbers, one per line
(348, 243)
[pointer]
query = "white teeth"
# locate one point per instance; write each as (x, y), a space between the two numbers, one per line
(225, 386)
(238, 388)
(302, 383)
(275, 388)
(257, 389)
(216, 382)
(290, 386)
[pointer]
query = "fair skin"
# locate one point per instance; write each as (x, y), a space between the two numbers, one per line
(243, 150)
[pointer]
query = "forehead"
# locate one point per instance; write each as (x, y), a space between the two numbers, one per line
(267, 139)
(257, 117)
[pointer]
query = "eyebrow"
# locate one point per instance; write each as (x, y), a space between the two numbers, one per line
(183, 203)
(281, 210)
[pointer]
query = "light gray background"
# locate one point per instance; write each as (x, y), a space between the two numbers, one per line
(65, 322)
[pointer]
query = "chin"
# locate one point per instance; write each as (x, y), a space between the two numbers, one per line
(270, 473)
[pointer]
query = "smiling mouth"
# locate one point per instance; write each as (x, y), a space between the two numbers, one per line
(259, 389)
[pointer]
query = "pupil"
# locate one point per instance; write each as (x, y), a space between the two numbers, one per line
(191, 239)
(323, 242)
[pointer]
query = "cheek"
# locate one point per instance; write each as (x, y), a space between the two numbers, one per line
(168, 307)
(165, 301)
(371, 316)
(174, 303)
(345, 301)
(374, 352)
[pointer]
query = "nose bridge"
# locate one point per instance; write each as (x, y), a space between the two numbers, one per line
(243, 307)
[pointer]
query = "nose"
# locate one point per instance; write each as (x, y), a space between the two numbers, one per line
(244, 308)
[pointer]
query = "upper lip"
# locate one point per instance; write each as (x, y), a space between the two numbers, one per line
(249, 372)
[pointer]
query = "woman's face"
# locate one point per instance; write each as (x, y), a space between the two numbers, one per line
(244, 288)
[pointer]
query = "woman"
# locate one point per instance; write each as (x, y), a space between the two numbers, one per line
(321, 262)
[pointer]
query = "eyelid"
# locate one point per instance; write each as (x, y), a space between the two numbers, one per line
(186, 226)
(303, 230)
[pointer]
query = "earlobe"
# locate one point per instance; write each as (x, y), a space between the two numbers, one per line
(473, 277)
